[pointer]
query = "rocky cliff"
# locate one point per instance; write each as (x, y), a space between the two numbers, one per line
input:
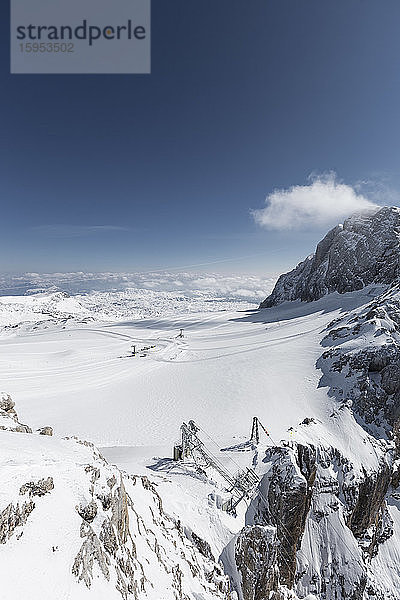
(364, 250)
(333, 495)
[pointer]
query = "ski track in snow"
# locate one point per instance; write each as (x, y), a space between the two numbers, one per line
(229, 367)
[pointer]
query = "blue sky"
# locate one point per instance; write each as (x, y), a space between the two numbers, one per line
(129, 173)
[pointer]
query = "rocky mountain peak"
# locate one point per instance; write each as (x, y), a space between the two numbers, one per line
(364, 250)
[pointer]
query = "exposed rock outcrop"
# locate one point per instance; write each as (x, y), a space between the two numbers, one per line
(334, 512)
(38, 488)
(110, 537)
(361, 369)
(362, 364)
(364, 250)
(314, 500)
(369, 520)
(120, 539)
(88, 512)
(7, 405)
(45, 430)
(14, 516)
(8, 416)
(256, 562)
(284, 501)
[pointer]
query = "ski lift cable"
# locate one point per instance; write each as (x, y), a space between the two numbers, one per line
(218, 446)
(285, 557)
(334, 528)
(230, 457)
(236, 464)
(219, 464)
(232, 477)
(284, 529)
(221, 467)
(340, 536)
(330, 524)
(285, 533)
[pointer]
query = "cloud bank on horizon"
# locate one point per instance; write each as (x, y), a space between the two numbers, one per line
(323, 202)
(191, 285)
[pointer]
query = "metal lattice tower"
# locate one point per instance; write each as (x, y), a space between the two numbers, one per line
(240, 486)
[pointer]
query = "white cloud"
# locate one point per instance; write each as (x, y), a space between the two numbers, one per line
(323, 202)
(194, 286)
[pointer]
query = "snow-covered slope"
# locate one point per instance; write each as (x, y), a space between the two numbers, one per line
(48, 310)
(321, 519)
(364, 250)
(228, 368)
(72, 526)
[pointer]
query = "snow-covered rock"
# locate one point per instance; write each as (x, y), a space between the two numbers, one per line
(321, 525)
(256, 561)
(336, 516)
(324, 521)
(362, 251)
(8, 416)
(74, 527)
